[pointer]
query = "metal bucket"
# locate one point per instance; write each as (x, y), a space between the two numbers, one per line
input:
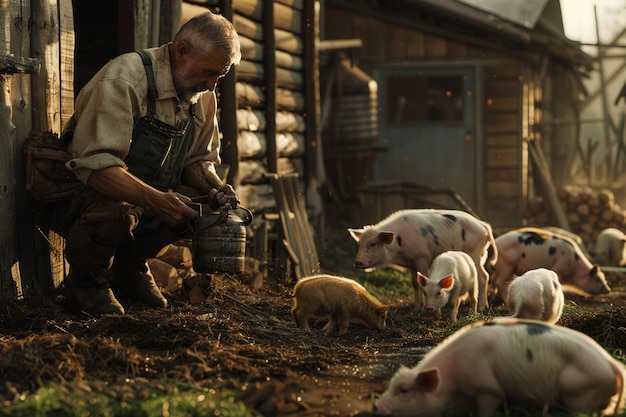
(219, 241)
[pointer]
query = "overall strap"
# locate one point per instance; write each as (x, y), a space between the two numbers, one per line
(153, 94)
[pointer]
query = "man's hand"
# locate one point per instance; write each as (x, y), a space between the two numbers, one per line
(173, 209)
(223, 196)
(119, 184)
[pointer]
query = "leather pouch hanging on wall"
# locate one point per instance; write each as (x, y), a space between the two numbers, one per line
(47, 177)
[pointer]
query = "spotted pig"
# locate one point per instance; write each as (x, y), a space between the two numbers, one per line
(413, 237)
(522, 250)
(525, 363)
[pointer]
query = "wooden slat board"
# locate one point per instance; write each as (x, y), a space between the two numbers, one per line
(295, 223)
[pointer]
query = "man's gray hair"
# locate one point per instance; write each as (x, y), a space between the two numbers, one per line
(210, 33)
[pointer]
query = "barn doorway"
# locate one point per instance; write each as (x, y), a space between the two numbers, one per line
(103, 30)
(427, 126)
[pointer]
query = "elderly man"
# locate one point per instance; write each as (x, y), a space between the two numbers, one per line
(144, 139)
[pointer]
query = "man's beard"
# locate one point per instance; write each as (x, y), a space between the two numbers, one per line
(186, 93)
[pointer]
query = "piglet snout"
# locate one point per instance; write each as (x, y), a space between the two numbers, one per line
(380, 409)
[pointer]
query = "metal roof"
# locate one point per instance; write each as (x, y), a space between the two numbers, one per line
(534, 26)
(525, 13)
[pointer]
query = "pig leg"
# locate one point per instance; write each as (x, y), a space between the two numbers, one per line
(473, 301)
(332, 322)
(454, 310)
(501, 279)
(344, 321)
(483, 282)
(483, 287)
(487, 403)
(584, 393)
(423, 267)
(301, 320)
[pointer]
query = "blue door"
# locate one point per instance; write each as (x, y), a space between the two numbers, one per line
(427, 126)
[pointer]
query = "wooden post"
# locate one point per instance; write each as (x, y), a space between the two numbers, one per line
(269, 58)
(8, 232)
(46, 88)
(606, 115)
(46, 117)
(29, 240)
(543, 170)
(228, 113)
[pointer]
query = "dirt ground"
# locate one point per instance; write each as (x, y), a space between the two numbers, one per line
(240, 338)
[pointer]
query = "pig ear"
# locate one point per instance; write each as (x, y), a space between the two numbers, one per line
(427, 381)
(356, 233)
(446, 282)
(421, 279)
(386, 237)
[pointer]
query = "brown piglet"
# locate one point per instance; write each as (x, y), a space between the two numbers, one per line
(340, 300)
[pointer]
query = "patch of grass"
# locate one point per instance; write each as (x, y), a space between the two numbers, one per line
(71, 401)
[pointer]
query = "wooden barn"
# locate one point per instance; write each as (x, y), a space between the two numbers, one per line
(477, 104)
(357, 108)
(268, 113)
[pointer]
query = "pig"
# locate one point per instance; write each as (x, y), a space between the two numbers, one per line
(413, 237)
(610, 248)
(537, 294)
(340, 300)
(522, 250)
(488, 364)
(452, 276)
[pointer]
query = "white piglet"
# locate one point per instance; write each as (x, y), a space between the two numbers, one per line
(537, 295)
(527, 363)
(610, 247)
(452, 276)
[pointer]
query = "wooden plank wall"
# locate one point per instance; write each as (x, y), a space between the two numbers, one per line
(506, 166)
(506, 157)
(266, 146)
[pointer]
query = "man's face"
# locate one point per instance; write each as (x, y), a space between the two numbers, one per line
(195, 74)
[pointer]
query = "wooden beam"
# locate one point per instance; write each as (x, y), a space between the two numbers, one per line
(270, 85)
(13, 65)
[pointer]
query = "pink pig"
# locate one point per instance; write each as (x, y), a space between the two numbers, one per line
(413, 237)
(509, 361)
(530, 248)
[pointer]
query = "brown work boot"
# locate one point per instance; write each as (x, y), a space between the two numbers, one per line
(137, 283)
(92, 297)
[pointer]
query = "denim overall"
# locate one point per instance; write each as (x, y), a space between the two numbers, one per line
(158, 150)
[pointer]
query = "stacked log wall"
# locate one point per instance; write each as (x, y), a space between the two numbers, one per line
(288, 136)
(588, 211)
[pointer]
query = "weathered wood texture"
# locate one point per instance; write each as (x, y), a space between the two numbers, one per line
(512, 92)
(288, 129)
(8, 231)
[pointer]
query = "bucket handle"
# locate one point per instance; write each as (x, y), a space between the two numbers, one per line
(245, 222)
